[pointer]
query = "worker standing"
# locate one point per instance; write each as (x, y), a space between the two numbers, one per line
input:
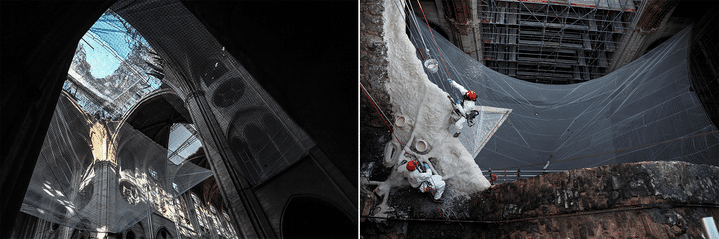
(465, 108)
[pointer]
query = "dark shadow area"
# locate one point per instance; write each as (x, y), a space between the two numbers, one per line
(307, 217)
(34, 35)
(305, 60)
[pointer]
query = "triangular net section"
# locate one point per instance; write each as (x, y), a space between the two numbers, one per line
(644, 111)
(103, 176)
(485, 124)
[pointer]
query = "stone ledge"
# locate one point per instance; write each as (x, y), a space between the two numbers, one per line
(647, 199)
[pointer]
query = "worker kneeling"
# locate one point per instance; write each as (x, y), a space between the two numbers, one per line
(425, 181)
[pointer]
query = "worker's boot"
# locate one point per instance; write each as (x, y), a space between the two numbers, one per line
(457, 134)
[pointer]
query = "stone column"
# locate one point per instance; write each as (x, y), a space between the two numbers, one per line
(469, 31)
(630, 44)
(651, 16)
(236, 191)
(477, 44)
(103, 194)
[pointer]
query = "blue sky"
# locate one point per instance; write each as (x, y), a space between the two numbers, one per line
(102, 61)
(104, 45)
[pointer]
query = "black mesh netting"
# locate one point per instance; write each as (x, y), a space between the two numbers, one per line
(102, 175)
(261, 136)
(644, 111)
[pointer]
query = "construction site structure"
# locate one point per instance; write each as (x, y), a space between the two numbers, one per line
(550, 41)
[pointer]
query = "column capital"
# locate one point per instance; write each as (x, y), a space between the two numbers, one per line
(100, 163)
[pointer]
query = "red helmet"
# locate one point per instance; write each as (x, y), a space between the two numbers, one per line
(471, 95)
(410, 166)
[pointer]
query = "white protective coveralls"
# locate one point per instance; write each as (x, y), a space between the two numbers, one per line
(466, 107)
(424, 180)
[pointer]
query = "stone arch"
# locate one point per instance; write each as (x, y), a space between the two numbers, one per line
(170, 95)
(163, 233)
(130, 234)
(154, 114)
(239, 142)
(261, 143)
(307, 216)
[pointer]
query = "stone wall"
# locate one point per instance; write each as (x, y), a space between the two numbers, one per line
(373, 64)
(651, 199)
(374, 133)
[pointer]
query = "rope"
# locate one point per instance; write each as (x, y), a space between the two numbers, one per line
(382, 115)
(435, 41)
(417, 26)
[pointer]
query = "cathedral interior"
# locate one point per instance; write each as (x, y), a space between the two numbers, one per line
(238, 120)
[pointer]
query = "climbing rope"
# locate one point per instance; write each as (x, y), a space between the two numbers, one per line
(417, 27)
(382, 115)
(434, 40)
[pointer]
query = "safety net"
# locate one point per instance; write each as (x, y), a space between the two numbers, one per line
(644, 111)
(103, 176)
(260, 135)
(112, 69)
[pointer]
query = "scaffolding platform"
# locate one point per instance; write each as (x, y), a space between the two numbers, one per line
(575, 38)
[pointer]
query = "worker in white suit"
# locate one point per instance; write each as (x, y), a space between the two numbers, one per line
(465, 108)
(425, 181)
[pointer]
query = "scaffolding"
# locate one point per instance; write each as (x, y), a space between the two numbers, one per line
(553, 41)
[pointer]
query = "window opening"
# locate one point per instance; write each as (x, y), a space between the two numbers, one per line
(153, 173)
(184, 141)
(230, 228)
(200, 212)
(215, 219)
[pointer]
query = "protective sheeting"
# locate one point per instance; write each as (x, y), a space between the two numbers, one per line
(261, 136)
(102, 176)
(644, 111)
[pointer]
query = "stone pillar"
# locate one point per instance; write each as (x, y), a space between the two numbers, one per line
(470, 41)
(629, 46)
(103, 195)
(236, 191)
(25, 226)
(477, 40)
(651, 16)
